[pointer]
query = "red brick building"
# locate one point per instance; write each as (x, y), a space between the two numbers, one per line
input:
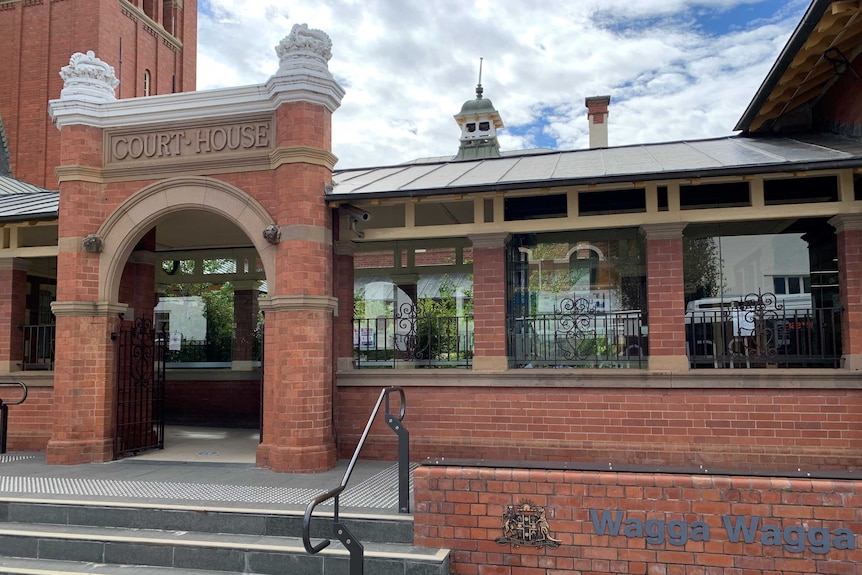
(689, 303)
(590, 319)
(151, 44)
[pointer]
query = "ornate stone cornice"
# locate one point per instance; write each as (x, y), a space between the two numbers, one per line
(87, 308)
(299, 303)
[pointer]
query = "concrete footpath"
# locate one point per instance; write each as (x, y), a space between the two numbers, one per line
(373, 487)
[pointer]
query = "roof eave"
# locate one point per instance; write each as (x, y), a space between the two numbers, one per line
(754, 169)
(794, 44)
(41, 217)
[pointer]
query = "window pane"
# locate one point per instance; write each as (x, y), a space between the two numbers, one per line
(793, 285)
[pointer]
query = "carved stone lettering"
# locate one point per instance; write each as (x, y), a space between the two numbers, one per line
(190, 142)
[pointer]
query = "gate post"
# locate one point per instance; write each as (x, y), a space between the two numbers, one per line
(297, 415)
(84, 377)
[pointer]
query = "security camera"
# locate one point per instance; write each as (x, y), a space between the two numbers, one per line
(356, 213)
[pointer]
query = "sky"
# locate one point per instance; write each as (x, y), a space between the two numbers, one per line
(675, 69)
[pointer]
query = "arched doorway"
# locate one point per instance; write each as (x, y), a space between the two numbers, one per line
(194, 279)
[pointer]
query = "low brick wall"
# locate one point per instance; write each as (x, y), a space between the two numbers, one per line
(30, 423)
(639, 522)
(768, 428)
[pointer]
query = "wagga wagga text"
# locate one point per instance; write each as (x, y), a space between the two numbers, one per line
(794, 538)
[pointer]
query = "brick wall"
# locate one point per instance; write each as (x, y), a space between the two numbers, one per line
(213, 403)
(666, 303)
(42, 36)
(850, 281)
(13, 294)
(666, 524)
(489, 302)
(763, 429)
(29, 423)
(840, 110)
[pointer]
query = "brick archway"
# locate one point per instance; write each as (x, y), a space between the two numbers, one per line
(127, 224)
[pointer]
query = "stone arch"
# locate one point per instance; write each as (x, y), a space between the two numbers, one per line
(128, 223)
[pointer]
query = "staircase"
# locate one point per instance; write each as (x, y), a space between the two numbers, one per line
(40, 537)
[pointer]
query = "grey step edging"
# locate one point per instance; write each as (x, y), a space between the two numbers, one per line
(365, 527)
(28, 566)
(210, 551)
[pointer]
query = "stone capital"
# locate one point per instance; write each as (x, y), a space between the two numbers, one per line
(299, 303)
(671, 231)
(345, 248)
(88, 308)
(846, 222)
(488, 241)
(246, 285)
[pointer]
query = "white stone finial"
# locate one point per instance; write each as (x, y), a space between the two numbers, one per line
(303, 48)
(88, 78)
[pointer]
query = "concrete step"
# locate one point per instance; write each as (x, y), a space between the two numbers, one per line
(366, 527)
(93, 538)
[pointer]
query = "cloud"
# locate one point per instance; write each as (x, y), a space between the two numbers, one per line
(675, 69)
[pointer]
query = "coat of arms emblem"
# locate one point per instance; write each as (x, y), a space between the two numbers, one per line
(526, 525)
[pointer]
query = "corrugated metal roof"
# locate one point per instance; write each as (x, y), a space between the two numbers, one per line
(32, 206)
(734, 155)
(12, 186)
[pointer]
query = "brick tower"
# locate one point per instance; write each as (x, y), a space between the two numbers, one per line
(150, 43)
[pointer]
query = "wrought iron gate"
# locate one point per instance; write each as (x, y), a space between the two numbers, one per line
(140, 423)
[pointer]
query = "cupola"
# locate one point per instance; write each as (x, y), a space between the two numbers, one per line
(479, 122)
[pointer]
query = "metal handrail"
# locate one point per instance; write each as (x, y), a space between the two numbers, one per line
(4, 411)
(344, 535)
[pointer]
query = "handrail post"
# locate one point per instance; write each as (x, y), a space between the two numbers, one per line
(396, 425)
(340, 529)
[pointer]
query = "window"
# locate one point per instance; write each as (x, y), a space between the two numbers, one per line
(784, 285)
(147, 82)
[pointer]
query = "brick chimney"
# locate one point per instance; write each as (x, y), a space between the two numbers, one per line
(597, 116)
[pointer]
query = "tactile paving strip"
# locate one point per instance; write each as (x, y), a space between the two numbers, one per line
(379, 491)
(6, 458)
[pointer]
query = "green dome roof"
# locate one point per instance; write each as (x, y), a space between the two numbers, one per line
(477, 106)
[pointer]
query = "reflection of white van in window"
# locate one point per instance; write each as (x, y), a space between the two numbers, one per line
(795, 301)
